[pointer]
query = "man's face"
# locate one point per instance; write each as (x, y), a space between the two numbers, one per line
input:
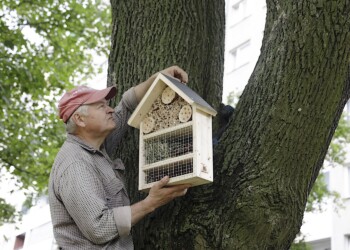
(100, 118)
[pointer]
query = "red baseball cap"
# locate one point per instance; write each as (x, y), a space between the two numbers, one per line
(78, 96)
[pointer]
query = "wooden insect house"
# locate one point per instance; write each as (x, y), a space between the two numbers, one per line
(175, 134)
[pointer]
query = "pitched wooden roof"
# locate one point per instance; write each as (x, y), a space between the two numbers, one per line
(188, 92)
(156, 89)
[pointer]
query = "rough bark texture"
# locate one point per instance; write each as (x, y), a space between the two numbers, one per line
(271, 153)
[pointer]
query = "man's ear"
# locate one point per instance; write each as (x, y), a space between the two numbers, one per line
(79, 120)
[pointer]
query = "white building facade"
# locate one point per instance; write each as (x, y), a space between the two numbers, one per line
(245, 21)
(34, 232)
(330, 229)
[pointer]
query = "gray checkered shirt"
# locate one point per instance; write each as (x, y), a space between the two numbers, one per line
(90, 207)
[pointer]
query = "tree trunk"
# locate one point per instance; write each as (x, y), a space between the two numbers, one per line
(271, 153)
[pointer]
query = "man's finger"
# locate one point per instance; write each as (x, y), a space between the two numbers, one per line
(181, 192)
(180, 74)
(179, 188)
(162, 182)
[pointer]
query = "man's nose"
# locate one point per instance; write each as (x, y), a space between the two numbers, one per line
(109, 110)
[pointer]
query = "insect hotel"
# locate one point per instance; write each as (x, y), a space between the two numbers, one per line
(175, 134)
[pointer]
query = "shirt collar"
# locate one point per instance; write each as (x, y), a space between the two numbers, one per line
(76, 140)
(117, 163)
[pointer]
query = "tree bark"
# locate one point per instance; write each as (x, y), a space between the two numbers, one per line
(268, 158)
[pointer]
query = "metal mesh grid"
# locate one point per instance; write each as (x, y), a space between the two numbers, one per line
(168, 145)
(172, 170)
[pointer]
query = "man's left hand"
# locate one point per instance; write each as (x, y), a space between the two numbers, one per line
(177, 72)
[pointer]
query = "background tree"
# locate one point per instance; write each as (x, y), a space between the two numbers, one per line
(270, 155)
(45, 47)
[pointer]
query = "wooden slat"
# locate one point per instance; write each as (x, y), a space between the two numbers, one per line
(167, 130)
(168, 161)
(184, 179)
(146, 103)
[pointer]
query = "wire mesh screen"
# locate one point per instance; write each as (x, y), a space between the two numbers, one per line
(168, 145)
(172, 170)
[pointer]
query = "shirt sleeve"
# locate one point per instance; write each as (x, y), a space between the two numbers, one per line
(122, 217)
(122, 112)
(84, 197)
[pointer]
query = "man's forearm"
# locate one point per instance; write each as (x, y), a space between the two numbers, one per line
(140, 210)
(141, 89)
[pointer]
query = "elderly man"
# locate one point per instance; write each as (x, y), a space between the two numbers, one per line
(89, 204)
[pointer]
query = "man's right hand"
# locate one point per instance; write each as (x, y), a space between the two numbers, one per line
(160, 194)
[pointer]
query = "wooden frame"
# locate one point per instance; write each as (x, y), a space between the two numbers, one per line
(194, 163)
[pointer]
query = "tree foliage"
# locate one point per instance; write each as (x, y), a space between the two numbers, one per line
(7, 212)
(335, 157)
(341, 138)
(45, 47)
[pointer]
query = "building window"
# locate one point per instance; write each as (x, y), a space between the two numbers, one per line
(347, 111)
(347, 242)
(326, 179)
(347, 181)
(238, 11)
(19, 242)
(239, 56)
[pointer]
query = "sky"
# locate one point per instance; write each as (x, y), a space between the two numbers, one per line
(100, 80)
